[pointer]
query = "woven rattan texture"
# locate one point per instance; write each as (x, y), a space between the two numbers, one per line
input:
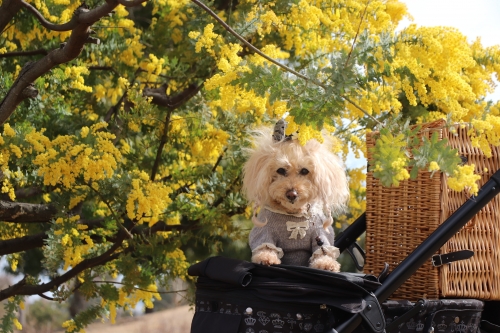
(400, 218)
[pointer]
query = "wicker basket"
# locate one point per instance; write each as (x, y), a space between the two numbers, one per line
(400, 218)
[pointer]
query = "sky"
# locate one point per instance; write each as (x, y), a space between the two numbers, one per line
(478, 18)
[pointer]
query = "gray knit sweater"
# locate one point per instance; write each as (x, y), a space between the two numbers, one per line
(293, 237)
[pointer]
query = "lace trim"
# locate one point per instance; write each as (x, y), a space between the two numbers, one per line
(270, 247)
(327, 250)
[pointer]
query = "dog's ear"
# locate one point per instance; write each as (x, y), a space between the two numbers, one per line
(329, 176)
(256, 174)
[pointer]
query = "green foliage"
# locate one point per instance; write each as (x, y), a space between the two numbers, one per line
(43, 314)
(9, 319)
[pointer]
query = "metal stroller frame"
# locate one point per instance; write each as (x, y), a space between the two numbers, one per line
(423, 252)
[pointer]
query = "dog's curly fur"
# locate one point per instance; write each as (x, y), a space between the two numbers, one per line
(288, 178)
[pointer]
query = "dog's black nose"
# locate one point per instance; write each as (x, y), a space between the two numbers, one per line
(291, 195)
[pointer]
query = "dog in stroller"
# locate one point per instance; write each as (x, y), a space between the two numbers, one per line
(295, 188)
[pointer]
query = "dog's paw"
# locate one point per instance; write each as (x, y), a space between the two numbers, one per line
(266, 257)
(325, 263)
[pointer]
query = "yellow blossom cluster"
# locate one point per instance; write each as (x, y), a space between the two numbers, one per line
(13, 230)
(464, 178)
(133, 51)
(147, 200)
(433, 166)
(208, 148)
(303, 132)
(17, 324)
(130, 300)
(307, 27)
(398, 170)
(485, 132)
(75, 241)
(375, 100)
(63, 161)
(78, 194)
(175, 16)
(74, 254)
(11, 177)
(8, 150)
(153, 67)
(437, 61)
(358, 145)
(178, 125)
(74, 73)
(357, 184)
(232, 66)
(71, 327)
(206, 40)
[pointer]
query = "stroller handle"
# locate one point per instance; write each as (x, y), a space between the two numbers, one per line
(429, 246)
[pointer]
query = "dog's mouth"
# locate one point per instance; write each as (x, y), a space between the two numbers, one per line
(290, 207)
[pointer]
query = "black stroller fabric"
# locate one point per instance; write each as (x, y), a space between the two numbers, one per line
(433, 315)
(237, 296)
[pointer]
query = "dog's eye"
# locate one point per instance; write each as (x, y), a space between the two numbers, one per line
(304, 171)
(281, 171)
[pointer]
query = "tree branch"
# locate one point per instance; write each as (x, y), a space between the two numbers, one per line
(30, 242)
(160, 97)
(21, 288)
(51, 26)
(21, 212)
(131, 3)
(29, 192)
(219, 159)
(163, 141)
(21, 244)
(113, 110)
(161, 226)
(8, 10)
(68, 51)
(104, 68)
(137, 288)
(24, 53)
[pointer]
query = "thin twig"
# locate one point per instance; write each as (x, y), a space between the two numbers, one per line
(142, 289)
(277, 63)
(251, 46)
(121, 226)
(357, 33)
(163, 141)
(131, 3)
(47, 297)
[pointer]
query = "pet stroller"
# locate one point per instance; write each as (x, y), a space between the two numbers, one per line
(235, 296)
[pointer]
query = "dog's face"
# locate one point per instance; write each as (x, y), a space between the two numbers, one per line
(288, 177)
(292, 186)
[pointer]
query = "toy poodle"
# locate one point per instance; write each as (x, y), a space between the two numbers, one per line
(294, 190)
